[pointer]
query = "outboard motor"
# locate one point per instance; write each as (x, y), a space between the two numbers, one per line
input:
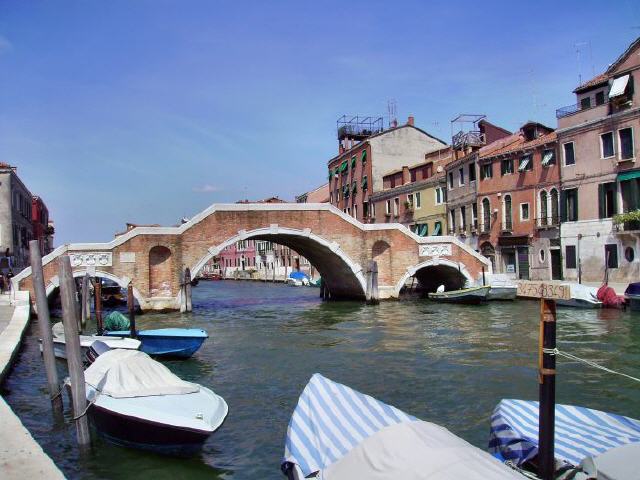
(96, 349)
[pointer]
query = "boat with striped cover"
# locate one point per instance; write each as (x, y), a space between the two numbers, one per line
(581, 433)
(337, 433)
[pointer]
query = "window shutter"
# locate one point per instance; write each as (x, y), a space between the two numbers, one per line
(602, 213)
(563, 206)
(575, 193)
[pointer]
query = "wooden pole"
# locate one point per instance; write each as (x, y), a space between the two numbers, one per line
(183, 294)
(72, 347)
(97, 292)
(187, 289)
(132, 310)
(85, 306)
(44, 322)
(484, 281)
(547, 391)
(371, 294)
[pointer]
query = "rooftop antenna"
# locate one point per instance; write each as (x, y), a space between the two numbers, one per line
(392, 110)
(578, 52)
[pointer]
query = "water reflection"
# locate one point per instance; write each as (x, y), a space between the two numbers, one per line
(444, 363)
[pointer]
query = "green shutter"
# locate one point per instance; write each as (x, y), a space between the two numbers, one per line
(344, 166)
(424, 229)
(364, 182)
(602, 213)
(330, 174)
(353, 162)
(336, 171)
(354, 187)
(364, 156)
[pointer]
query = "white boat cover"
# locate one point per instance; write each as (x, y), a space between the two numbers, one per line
(131, 373)
(583, 292)
(621, 463)
(580, 432)
(415, 451)
(337, 431)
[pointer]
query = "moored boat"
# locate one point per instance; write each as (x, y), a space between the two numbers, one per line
(169, 342)
(502, 288)
(632, 293)
(59, 343)
(136, 401)
(337, 433)
(466, 296)
(582, 296)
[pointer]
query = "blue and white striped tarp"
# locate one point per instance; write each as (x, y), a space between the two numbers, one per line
(330, 420)
(579, 432)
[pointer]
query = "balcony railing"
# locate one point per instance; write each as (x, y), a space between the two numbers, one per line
(574, 108)
(633, 226)
(471, 138)
(547, 222)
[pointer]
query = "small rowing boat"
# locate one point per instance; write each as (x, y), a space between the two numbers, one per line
(466, 296)
(59, 343)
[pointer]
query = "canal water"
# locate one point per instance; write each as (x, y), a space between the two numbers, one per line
(443, 363)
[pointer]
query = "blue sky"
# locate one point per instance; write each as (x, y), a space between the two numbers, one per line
(148, 111)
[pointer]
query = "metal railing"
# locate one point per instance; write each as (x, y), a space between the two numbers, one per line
(574, 108)
(550, 221)
(471, 138)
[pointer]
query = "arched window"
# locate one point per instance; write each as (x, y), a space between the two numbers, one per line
(543, 208)
(507, 218)
(486, 215)
(555, 220)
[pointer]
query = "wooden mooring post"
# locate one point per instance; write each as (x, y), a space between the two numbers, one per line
(548, 293)
(44, 323)
(86, 297)
(68, 297)
(187, 290)
(371, 293)
(97, 294)
(132, 310)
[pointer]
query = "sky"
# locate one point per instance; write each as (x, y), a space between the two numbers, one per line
(150, 111)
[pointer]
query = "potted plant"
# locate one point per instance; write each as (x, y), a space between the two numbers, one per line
(629, 220)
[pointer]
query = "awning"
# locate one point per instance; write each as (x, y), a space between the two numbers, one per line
(618, 86)
(364, 182)
(524, 162)
(344, 166)
(628, 175)
(364, 156)
(547, 157)
(330, 174)
(353, 162)
(354, 187)
(436, 231)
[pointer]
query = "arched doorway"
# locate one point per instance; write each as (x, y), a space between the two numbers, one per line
(160, 272)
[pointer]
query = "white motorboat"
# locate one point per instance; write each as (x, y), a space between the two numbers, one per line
(137, 401)
(582, 296)
(59, 345)
(502, 287)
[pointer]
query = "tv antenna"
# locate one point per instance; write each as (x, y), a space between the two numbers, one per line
(392, 110)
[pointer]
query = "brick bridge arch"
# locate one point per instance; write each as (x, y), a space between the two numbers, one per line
(337, 245)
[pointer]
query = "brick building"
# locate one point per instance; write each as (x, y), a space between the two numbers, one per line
(366, 153)
(599, 140)
(518, 200)
(415, 195)
(461, 174)
(42, 227)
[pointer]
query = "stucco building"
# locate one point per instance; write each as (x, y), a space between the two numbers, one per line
(366, 153)
(518, 200)
(317, 195)
(599, 141)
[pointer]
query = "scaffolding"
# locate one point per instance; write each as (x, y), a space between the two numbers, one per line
(358, 127)
(465, 131)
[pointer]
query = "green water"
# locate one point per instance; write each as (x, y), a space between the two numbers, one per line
(443, 363)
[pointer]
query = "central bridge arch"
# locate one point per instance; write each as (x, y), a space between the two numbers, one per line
(342, 275)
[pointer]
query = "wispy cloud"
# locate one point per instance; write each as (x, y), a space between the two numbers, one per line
(5, 45)
(206, 188)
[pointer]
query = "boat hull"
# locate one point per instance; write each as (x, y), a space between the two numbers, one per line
(502, 293)
(468, 296)
(578, 303)
(168, 342)
(634, 302)
(60, 349)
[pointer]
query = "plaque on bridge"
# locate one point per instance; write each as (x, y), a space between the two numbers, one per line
(127, 257)
(548, 290)
(435, 250)
(95, 259)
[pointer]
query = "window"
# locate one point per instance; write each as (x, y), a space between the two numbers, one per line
(585, 103)
(474, 215)
(569, 206)
(355, 211)
(554, 207)
(600, 98)
(526, 163)
(506, 211)
(437, 229)
(626, 143)
(364, 183)
(570, 256)
(463, 218)
(365, 209)
(606, 145)
(417, 198)
(396, 206)
(629, 254)
(410, 200)
(450, 180)
(486, 171)
(607, 193)
(506, 166)
(611, 255)
(486, 215)
(461, 176)
(439, 195)
(452, 220)
(524, 211)
(373, 210)
(543, 208)
(548, 157)
(542, 255)
(569, 156)
(472, 172)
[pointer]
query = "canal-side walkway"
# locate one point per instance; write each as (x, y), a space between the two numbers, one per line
(20, 455)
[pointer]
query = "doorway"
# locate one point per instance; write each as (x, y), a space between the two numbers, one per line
(556, 264)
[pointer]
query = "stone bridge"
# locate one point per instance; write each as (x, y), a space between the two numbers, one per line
(338, 246)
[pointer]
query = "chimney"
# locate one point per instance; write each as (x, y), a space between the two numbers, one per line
(394, 123)
(406, 175)
(410, 120)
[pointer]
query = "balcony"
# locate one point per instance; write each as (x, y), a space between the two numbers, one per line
(627, 227)
(547, 222)
(462, 231)
(471, 138)
(572, 115)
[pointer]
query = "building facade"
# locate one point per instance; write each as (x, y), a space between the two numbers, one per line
(17, 219)
(366, 154)
(317, 195)
(599, 141)
(518, 202)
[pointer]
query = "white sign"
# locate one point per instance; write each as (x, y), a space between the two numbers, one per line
(549, 290)
(435, 250)
(127, 257)
(511, 268)
(97, 259)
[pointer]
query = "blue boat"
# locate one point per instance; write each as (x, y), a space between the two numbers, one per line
(167, 342)
(632, 293)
